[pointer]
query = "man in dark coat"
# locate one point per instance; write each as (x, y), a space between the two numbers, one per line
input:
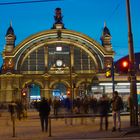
(104, 106)
(44, 111)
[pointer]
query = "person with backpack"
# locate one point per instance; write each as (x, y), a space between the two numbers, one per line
(117, 106)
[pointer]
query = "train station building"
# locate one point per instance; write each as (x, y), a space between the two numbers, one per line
(59, 62)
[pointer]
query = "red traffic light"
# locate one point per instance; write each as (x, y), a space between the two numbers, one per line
(125, 64)
(68, 92)
(24, 94)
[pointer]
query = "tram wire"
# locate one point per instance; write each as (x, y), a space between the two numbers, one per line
(26, 2)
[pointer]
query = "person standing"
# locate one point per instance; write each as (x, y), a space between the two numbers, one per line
(44, 111)
(19, 109)
(56, 105)
(12, 109)
(68, 104)
(104, 106)
(117, 105)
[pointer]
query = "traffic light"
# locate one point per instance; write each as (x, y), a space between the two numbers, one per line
(24, 92)
(68, 92)
(108, 72)
(124, 66)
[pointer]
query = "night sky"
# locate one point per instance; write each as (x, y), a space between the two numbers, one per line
(85, 16)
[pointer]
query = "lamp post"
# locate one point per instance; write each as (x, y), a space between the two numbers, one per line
(132, 75)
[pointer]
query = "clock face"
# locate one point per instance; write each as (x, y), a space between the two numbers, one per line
(59, 63)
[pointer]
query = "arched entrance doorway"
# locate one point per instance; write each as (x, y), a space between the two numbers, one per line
(34, 92)
(59, 90)
(33, 95)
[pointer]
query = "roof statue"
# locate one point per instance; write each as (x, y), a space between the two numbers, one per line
(58, 17)
(58, 24)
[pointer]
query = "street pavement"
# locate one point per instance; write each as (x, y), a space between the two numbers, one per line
(64, 129)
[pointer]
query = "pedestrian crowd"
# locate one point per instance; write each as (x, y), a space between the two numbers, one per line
(18, 109)
(81, 105)
(84, 105)
(101, 106)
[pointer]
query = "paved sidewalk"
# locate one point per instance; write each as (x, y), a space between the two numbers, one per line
(29, 129)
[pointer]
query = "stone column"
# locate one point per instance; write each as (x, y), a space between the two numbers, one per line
(42, 92)
(16, 89)
(3, 90)
(75, 94)
(47, 89)
(9, 90)
(46, 57)
(72, 57)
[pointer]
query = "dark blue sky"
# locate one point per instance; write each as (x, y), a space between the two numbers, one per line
(86, 16)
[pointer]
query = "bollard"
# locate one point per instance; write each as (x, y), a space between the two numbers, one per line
(65, 120)
(13, 120)
(50, 127)
(71, 121)
(12, 106)
(82, 120)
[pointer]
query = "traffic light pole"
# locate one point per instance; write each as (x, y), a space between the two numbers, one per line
(112, 73)
(132, 76)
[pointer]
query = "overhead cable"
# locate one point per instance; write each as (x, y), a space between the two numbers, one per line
(25, 2)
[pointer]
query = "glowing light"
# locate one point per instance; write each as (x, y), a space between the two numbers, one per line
(125, 64)
(59, 48)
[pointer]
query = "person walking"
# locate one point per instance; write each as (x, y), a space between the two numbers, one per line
(117, 106)
(104, 106)
(56, 105)
(44, 111)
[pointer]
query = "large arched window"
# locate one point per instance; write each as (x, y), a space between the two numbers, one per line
(35, 61)
(82, 61)
(57, 55)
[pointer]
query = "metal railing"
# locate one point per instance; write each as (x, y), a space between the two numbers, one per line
(71, 116)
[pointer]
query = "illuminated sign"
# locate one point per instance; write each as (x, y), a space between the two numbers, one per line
(53, 53)
(59, 48)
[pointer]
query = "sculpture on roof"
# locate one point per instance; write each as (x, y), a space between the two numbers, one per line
(58, 17)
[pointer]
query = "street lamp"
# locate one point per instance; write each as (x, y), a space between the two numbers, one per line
(132, 76)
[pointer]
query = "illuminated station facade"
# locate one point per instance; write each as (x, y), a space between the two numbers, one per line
(59, 62)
